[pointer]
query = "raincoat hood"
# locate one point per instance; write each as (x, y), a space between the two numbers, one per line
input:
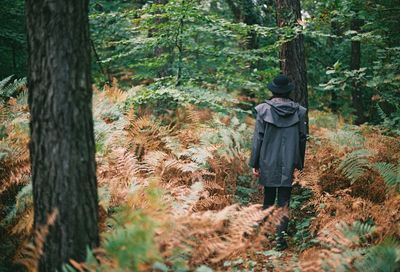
(279, 112)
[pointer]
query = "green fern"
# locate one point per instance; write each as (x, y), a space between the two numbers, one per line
(390, 174)
(198, 154)
(24, 200)
(354, 164)
(391, 121)
(362, 228)
(360, 255)
(381, 113)
(133, 242)
(8, 88)
(347, 138)
(5, 81)
(357, 231)
(232, 139)
(384, 257)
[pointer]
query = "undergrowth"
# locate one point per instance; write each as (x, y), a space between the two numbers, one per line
(176, 193)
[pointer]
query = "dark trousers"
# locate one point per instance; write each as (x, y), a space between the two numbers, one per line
(283, 194)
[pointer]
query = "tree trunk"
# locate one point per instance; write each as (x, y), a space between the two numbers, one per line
(292, 54)
(179, 46)
(161, 49)
(355, 64)
(14, 58)
(245, 11)
(332, 45)
(105, 71)
(62, 144)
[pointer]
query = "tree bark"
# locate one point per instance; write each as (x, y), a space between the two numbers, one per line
(14, 58)
(292, 54)
(161, 49)
(62, 147)
(355, 64)
(105, 71)
(331, 43)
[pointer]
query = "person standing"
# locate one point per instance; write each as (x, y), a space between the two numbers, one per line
(278, 147)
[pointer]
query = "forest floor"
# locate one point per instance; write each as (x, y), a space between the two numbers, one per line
(176, 193)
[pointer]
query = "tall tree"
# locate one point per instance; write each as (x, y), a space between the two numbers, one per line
(12, 39)
(355, 64)
(246, 11)
(331, 43)
(292, 55)
(62, 144)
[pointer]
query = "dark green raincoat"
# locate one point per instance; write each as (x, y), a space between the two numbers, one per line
(279, 141)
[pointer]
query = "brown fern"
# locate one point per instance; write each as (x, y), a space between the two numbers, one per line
(30, 253)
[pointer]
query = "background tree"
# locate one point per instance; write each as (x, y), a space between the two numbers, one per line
(248, 12)
(215, 56)
(62, 141)
(12, 39)
(355, 64)
(371, 72)
(292, 54)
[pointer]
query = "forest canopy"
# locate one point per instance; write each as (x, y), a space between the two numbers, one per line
(234, 47)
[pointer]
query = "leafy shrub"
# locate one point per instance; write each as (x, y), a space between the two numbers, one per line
(348, 137)
(160, 101)
(167, 100)
(323, 119)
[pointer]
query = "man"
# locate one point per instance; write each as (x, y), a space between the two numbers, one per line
(278, 148)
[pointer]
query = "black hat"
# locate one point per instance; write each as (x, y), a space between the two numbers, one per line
(280, 85)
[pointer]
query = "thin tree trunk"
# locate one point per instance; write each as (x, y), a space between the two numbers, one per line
(105, 71)
(161, 49)
(179, 46)
(14, 55)
(331, 43)
(236, 11)
(292, 54)
(245, 11)
(355, 64)
(62, 144)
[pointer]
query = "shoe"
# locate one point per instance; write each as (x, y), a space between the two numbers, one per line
(281, 245)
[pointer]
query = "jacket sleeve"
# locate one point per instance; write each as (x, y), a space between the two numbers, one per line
(258, 137)
(303, 140)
